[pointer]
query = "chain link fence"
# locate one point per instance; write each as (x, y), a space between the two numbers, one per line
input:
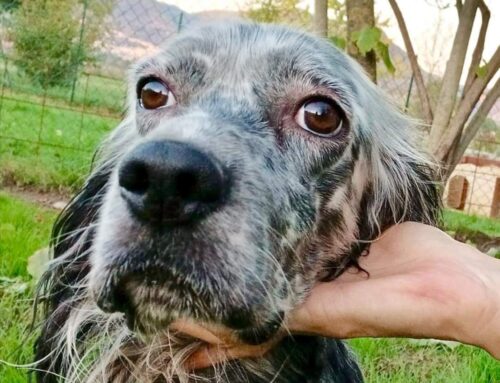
(62, 89)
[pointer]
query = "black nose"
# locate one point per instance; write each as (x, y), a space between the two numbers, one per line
(167, 182)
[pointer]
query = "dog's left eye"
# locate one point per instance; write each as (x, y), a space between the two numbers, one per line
(320, 116)
(154, 94)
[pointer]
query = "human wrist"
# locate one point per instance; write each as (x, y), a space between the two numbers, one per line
(489, 332)
(479, 323)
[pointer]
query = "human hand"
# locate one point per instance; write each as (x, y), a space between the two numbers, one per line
(421, 284)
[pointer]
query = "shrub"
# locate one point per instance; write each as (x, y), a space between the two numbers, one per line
(52, 38)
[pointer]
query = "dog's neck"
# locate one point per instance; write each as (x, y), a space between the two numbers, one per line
(294, 359)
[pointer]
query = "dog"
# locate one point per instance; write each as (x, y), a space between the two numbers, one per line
(254, 161)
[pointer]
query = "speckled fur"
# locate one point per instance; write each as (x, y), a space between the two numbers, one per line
(301, 208)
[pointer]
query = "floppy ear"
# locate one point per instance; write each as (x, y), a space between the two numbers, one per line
(58, 290)
(391, 180)
(62, 286)
(403, 179)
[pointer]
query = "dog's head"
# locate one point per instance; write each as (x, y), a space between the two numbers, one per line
(253, 162)
(254, 154)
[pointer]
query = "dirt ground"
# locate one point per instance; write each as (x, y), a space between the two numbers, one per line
(50, 200)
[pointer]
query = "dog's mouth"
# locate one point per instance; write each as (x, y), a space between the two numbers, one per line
(153, 300)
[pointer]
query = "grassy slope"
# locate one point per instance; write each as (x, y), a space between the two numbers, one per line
(47, 166)
(399, 361)
(25, 228)
(456, 220)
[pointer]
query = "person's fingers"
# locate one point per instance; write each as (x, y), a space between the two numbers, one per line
(203, 332)
(211, 355)
(219, 345)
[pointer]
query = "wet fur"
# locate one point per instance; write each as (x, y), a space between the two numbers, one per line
(302, 209)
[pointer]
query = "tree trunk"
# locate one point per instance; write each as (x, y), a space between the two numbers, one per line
(321, 17)
(412, 57)
(456, 120)
(478, 50)
(464, 109)
(361, 14)
(451, 80)
(473, 126)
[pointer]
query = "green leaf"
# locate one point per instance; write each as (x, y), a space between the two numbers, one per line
(382, 51)
(482, 71)
(338, 41)
(366, 40)
(37, 263)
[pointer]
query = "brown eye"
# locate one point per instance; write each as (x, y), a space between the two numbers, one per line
(154, 94)
(320, 116)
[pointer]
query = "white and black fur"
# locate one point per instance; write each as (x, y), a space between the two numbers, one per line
(300, 208)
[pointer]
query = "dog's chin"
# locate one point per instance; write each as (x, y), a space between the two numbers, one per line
(150, 324)
(153, 310)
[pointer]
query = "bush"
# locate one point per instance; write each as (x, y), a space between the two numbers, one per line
(52, 38)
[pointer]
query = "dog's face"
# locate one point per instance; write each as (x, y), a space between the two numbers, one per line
(250, 157)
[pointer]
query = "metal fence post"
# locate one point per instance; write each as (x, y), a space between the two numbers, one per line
(79, 52)
(410, 87)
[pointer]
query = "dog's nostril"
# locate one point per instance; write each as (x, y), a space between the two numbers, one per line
(167, 182)
(186, 184)
(134, 177)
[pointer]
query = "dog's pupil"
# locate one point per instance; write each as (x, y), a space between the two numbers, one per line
(321, 117)
(154, 95)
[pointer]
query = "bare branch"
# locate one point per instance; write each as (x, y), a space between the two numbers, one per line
(459, 6)
(453, 72)
(419, 80)
(466, 107)
(476, 122)
(478, 51)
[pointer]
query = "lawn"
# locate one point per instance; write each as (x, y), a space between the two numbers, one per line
(91, 91)
(458, 221)
(25, 227)
(47, 138)
(68, 139)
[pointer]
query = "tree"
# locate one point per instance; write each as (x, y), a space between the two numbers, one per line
(354, 27)
(361, 20)
(53, 38)
(9, 5)
(329, 20)
(278, 11)
(459, 111)
(321, 17)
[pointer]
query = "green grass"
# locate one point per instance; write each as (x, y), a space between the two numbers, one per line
(36, 122)
(400, 361)
(456, 220)
(25, 228)
(24, 163)
(91, 91)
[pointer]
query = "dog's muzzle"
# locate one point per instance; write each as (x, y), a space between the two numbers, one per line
(171, 183)
(169, 187)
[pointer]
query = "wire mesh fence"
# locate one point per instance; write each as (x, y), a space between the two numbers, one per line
(63, 88)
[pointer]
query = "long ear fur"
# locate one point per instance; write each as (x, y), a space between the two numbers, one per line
(393, 181)
(71, 240)
(61, 287)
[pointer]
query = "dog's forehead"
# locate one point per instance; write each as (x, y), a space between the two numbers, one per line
(259, 52)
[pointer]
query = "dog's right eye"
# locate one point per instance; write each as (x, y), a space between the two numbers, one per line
(320, 116)
(155, 94)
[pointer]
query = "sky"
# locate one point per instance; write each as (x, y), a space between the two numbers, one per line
(431, 29)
